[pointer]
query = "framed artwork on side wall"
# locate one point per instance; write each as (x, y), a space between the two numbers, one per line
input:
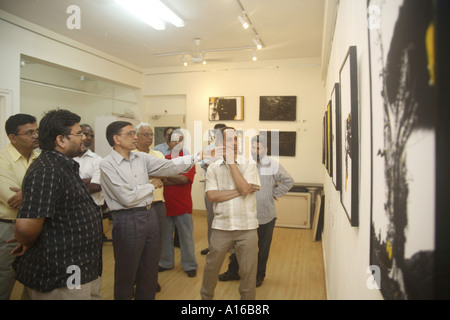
(349, 136)
(335, 139)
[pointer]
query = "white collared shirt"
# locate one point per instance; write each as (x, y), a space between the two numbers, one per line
(89, 168)
(238, 213)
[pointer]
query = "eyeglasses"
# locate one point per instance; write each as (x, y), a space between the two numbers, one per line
(82, 134)
(131, 134)
(29, 133)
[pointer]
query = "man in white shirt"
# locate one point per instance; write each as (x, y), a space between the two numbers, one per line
(231, 184)
(90, 174)
(208, 204)
(89, 167)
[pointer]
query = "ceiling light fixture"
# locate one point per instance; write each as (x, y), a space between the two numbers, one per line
(254, 56)
(244, 21)
(152, 12)
(183, 59)
(259, 45)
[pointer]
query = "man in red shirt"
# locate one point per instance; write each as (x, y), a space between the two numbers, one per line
(177, 194)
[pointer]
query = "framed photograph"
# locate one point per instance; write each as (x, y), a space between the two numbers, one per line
(330, 154)
(349, 135)
(403, 217)
(324, 140)
(335, 140)
(226, 108)
(278, 108)
(280, 143)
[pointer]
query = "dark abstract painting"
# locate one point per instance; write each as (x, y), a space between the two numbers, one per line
(403, 150)
(278, 108)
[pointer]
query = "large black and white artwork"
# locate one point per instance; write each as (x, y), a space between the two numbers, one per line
(403, 147)
(278, 108)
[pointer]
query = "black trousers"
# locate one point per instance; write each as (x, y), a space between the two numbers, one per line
(136, 254)
(265, 234)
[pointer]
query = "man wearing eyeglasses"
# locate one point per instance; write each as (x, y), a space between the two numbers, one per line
(59, 226)
(22, 131)
(129, 194)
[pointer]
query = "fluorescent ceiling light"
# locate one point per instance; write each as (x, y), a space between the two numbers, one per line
(152, 12)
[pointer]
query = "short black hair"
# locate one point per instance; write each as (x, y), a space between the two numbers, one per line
(177, 131)
(260, 139)
(167, 129)
(54, 123)
(20, 119)
(220, 126)
(114, 129)
(219, 135)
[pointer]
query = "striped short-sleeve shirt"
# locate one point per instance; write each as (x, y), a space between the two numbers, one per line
(238, 213)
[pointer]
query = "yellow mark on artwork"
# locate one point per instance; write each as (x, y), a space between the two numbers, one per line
(430, 52)
(389, 250)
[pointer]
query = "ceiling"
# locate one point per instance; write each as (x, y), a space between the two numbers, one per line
(290, 29)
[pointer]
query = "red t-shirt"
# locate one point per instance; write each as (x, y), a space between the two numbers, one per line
(178, 197)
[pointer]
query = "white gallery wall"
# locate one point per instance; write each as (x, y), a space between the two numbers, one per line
(300, 78)
(19, 37)
(346, 248)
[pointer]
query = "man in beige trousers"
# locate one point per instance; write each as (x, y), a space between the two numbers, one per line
(230, 185)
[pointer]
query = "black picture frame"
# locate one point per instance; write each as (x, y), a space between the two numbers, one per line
(280, 143)
(330, 154)
(335, 114)
(226, 108)
(349, 136)
(278, 108)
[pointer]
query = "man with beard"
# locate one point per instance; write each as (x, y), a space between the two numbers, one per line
(275, 183)
(59, 226)
(22, 131)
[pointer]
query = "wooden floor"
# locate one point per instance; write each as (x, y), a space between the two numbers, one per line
(295, 270)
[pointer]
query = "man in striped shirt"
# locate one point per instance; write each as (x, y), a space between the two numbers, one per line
(275, 183)
(231, 184)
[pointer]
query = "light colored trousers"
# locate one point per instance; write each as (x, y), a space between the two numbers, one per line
(7, 273)
(88, 291)
(245, 244)
(185, 227)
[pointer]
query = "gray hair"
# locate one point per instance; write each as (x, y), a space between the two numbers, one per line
(142, 125)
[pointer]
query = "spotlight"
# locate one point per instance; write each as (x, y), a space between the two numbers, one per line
(258, 43)
(243, 20)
